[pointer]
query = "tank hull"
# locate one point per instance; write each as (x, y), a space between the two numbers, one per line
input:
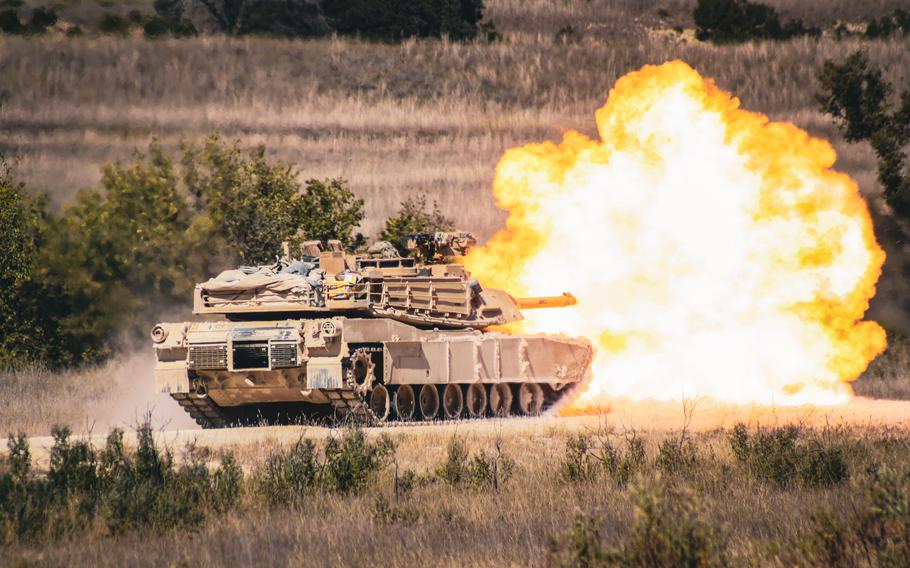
(361, 369)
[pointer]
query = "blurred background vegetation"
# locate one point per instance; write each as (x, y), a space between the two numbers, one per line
(123, 254)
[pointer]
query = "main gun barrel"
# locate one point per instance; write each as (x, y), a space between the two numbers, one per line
(535, 302)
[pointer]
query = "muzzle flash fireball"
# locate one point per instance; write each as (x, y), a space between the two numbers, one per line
(712, 252)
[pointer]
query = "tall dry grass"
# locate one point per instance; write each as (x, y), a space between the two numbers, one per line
(530, 514)
(94, 399)
(423, 117)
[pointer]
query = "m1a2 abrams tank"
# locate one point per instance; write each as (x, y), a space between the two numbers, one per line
(328, 336)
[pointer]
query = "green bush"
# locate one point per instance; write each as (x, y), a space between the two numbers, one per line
(895, 24)
(874, 531)
(10, 23)
(156, 226)
(677, 455)
(413, 217)
(781, 457)
(352, 461)
(399, 19)
(287, 478)
(669, 529)
(348, 465)
(483, 470)
(587, 458)
(42, 18)
(111, 490)
(726, 21)
(114, 24)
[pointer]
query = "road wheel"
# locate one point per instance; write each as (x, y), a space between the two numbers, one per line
(379, 402)
(429, 402)
(500, 399)
(405, 402)
(530, 399)
(452, 401)
(476, 399)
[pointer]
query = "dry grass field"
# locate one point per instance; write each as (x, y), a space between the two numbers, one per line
(427, 117)
(528, 518)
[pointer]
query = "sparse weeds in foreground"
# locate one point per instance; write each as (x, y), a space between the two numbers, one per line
(786, 457)
(348, 465)
(587, 457)
(111, 489)
(874, 532)
(482, 470)
(669, 529)
(116, 491)
(388, 513)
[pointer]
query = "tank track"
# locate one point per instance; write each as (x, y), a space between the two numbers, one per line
(349, 407)
(201, 409)
(352, 407)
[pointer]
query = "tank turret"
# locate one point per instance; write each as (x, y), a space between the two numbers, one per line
(327, 334)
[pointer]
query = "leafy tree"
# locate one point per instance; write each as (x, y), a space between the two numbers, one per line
(284, 18)
(398, 19)
(898, 23)
(413, 217)
(331, 211)
(251, 203)
(255, 204)
(856, 95)
(723, 21)
(33, 309)
(75, 284)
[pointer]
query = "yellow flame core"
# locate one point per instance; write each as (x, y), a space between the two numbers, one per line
(713, 253)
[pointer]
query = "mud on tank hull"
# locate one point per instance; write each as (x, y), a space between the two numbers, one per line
(367, 370)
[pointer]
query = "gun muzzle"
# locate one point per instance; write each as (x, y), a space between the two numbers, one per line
(535, 302)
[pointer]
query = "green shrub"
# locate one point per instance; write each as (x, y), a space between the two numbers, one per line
(157, 27)
(387, 513)
(587, 458)
(579, 462)
(453, 470)
(413, 217)
(483, 470)
(582, 547)
(669, 529)
(10, 23)
(399, 19)
(897, 23)
(874, 531)
(287, 478)
(352, 461)
(155, 227)
(725, 21)
(114, 24)
(42, 18)
(348, 465)
(112, 489)
(779, 456)
(677, 455)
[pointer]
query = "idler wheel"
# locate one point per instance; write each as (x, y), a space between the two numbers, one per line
(500, 399)
(530, 399)
(452, 401)
(429, 402)
(405, 402)
(379, 402)
(476, 399)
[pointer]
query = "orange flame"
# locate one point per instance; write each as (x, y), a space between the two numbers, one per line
(713, 253)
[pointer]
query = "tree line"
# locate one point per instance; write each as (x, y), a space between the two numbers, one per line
(77, 283)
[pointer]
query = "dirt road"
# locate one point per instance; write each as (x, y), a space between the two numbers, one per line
(645, 416)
